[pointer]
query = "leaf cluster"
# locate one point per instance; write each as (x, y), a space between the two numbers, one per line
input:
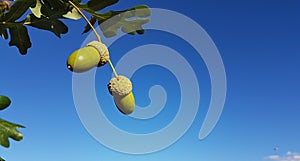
(8, 129)
(48, 15)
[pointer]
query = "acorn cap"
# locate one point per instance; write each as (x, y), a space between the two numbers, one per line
(102, 50)
(120, 86)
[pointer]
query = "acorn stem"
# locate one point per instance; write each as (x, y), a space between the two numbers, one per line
(79, 11)
(96, 33)
(113, 68)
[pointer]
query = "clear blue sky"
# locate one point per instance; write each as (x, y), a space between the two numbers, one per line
(259, 45)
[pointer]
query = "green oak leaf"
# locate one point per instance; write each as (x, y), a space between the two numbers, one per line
(17, 10)
(129, 21)
(97, 5)
(19, 37)
(9, 130)
(36, 10)
(51, 24)
(76, 1)
(73, 14)
(53, 8)
(1, 159)
(111, 26)
(3, 29)
(57, 4)
(46, 15)
(3, 32)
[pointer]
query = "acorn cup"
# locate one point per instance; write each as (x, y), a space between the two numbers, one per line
(120, 88)
(84, 59)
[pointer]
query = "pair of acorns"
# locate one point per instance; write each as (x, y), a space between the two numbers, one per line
(96, 54)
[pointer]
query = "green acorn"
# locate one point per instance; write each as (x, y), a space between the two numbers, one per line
(4, 102)
(84, 59)
(120, 88)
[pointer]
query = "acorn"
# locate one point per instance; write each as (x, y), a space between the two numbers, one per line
(84, 59)
(4, 102)
(120, 88)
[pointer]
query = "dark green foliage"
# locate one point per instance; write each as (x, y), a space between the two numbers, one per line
(4, 102)
(51, 24)
(97, 5)
(19, 37)
(9, 130)
(17, 10)
(47, 15)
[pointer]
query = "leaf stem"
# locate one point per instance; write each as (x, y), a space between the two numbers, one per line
(96, 33)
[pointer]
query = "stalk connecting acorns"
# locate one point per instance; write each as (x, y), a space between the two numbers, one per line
(96, 54)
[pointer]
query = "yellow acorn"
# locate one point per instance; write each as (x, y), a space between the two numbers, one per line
(84, 59)
(120, 88)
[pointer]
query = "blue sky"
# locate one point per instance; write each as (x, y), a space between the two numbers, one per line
(258, 42)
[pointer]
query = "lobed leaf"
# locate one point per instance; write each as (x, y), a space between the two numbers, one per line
(97, 5)
(54, 8)
(46, 15)
(51, 24)
(17, 10)
(73, 14)
(129, 21)
(9, 130)
(3, 32)
(76, 1)
(36, 10)
(51, 8)
(19, 37)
